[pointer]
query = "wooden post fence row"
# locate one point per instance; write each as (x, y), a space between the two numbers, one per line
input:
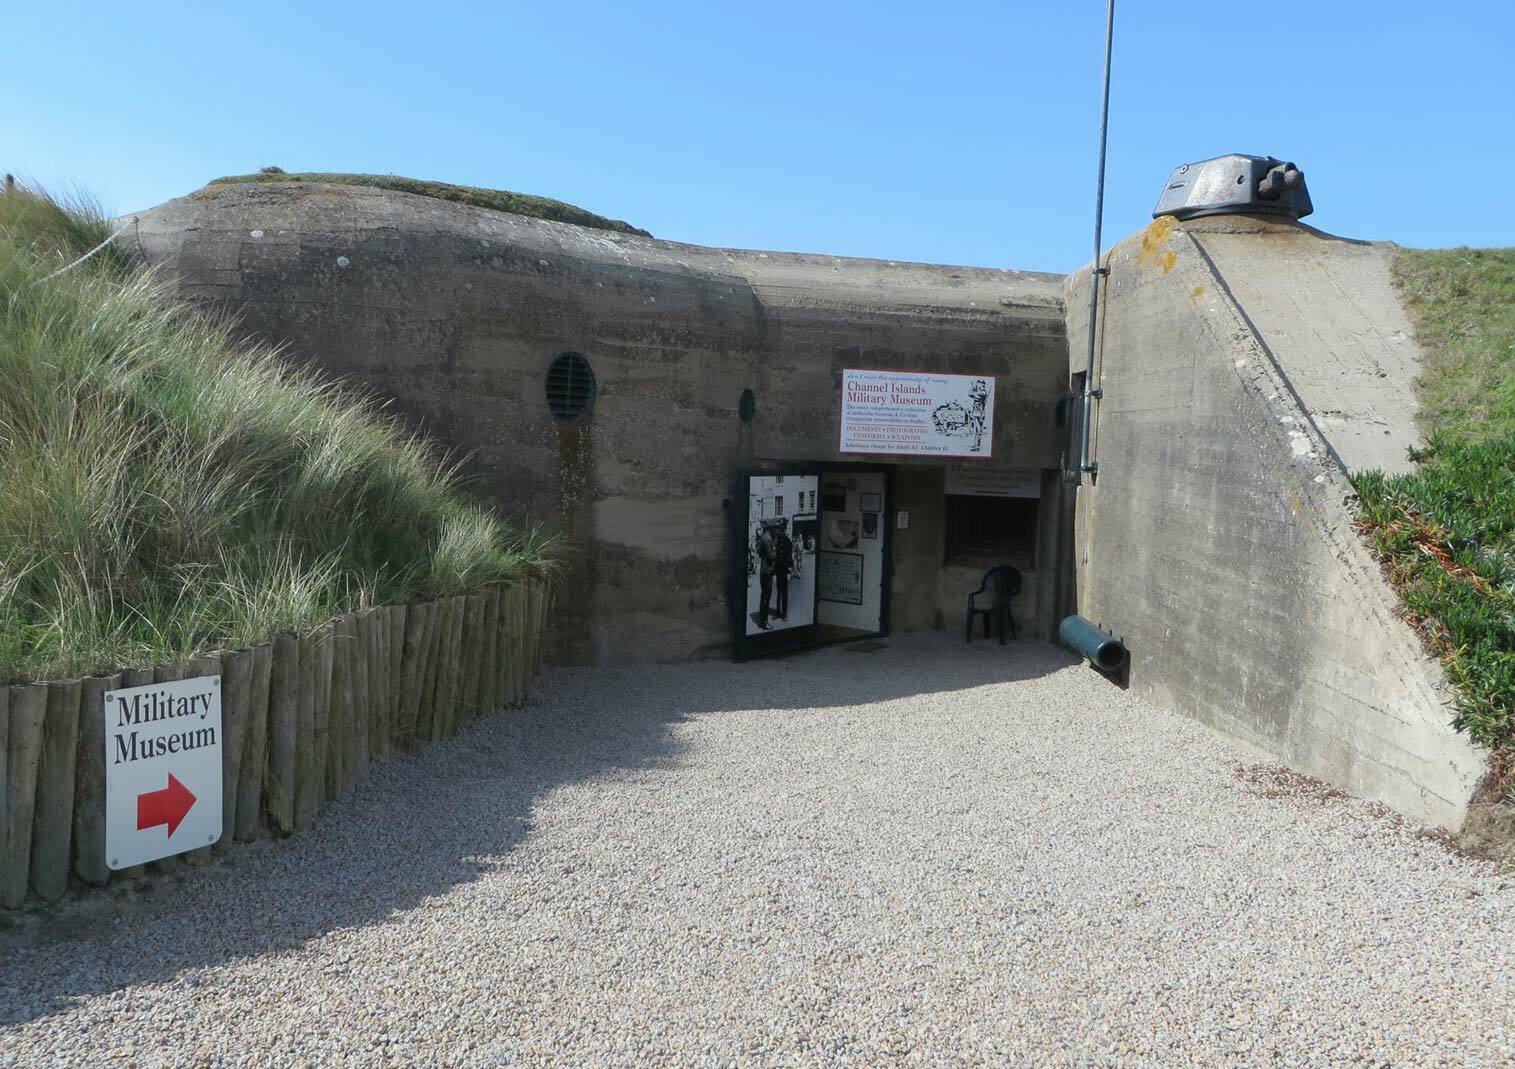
(302, 716)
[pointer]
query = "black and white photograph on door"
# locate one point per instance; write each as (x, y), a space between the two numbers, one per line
(781, 537)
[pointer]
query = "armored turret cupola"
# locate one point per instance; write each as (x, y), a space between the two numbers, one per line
(1239, 185)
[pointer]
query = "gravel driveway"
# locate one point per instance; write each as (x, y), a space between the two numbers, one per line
(930, 854)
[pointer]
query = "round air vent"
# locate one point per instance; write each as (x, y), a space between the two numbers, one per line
(570, 387)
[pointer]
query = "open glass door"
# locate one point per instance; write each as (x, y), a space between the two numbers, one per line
(776, 576)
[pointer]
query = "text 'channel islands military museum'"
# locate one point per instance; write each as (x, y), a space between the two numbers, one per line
(746, 451)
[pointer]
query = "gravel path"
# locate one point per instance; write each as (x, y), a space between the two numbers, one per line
(814, 861)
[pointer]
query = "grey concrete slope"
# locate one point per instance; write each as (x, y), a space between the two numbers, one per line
(1219, 539)
(1327, 310)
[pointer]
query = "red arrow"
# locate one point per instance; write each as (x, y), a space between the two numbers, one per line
(169, 806)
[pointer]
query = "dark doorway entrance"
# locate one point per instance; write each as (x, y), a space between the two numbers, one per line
(811, 556)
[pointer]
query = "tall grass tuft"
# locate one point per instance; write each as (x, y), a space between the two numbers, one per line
(166, 489)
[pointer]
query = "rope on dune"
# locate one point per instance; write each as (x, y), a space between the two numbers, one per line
(69, 267)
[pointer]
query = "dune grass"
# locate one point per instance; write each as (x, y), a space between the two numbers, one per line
(1463, 304)
(500, 200)
(1446, 531)
(166, 489)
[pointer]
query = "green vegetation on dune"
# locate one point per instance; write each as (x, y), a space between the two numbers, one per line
(1463, 303)
(1446, 531)
(499, 200)
(165, 489)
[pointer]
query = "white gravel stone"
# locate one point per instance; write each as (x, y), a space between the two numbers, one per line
(933, 854)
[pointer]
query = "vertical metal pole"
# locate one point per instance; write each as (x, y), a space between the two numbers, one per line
(1090, 390)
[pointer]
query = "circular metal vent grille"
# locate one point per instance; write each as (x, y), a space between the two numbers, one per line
(570, 387)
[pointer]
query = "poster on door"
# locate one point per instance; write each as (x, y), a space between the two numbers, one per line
(782, 540)
(841, 577)
(917, 413)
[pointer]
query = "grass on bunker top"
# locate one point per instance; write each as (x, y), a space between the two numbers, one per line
(166, 489)
(500, 200)
(1446, 531)
(1463, 305)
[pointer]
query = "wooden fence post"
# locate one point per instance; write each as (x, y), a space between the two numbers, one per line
(53, 816)
(489, 665)
(23, 745)
(375, 720)
(451, 681)
(435, 628)
(399, 620)
(254, 744)
(473, 643)
(362, 716)
(281, 785)
(523, 641)
(236, 701)
(338, 708)
(323, 751)
(417, 643)
(89, 780)
(511, 632)
(540, 601)
(307, 770)
(5, 800)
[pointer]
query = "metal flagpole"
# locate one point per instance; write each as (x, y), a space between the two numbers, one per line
(1090, 390)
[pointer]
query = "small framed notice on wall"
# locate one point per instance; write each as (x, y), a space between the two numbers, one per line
(839, 577)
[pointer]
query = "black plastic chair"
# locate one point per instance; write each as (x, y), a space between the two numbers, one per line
(1002, 583)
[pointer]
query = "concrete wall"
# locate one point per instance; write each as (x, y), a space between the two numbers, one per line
(1218, 539)
(454, 313)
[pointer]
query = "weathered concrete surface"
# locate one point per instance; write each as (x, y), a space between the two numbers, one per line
(455, 313)
(1327, 310)
(1219, 540)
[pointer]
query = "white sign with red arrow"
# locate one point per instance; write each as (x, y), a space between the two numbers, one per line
(162, 770)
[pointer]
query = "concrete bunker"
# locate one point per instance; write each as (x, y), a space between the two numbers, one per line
(1215, 541)
(620, 388)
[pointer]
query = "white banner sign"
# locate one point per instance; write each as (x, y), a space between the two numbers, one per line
(917, 413)
(162, 769)
(971, 480)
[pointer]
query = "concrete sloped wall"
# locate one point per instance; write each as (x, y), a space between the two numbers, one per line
(1327, 310)
(1218, 538)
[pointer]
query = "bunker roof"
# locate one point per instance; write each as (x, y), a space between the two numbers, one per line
(500, 200)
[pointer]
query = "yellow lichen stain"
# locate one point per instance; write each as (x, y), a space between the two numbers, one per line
(1156, 236)
(1198, 292)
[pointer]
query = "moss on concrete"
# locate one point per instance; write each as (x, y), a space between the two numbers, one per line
(500, 200)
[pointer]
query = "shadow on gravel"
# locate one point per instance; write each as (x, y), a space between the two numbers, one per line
(426, 823)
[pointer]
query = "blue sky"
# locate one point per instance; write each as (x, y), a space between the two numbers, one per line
(956, 133)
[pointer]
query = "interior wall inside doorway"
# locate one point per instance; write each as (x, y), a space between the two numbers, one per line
(853, 540)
